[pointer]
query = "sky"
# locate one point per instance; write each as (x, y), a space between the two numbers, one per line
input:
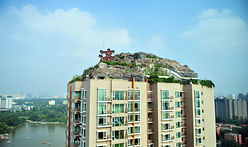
(44, 43)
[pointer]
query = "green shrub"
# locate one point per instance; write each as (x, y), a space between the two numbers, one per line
(149, 56)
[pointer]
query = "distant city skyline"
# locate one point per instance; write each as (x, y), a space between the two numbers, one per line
(43, 44)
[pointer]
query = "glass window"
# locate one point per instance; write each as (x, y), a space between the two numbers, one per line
(118, 95)
(197, 93)
(165, 105)
(83, 144)
(165, 115)
(117, 134)
(178, 114)
(165, 94)
(177, 94)
(178, 104)
(83, 119)
(178, 124)
(102, 94)
(118, 108)
(102, 108)
(198, 140)
(101, 135)
(83, 93)
(197, 103)
(179, 144)
(102, 121)
(165, 126)
(118, 121)
(83, 132)
(136, 141)
(130, 95)
(130, 129)
(198, 121)
(165, 137)
(136, 104)
(178, 134)
(83, 107)
(130, 117)
(118, 145)
(198, 131)
(198, 112)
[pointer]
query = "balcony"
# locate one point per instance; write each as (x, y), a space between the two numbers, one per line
(149, 109)
(76, 123)
(76, 110)
(76, 134)
(106, 99)
(104, 139)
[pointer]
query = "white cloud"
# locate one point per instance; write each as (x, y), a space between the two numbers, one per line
(71, 26)
(221, 30)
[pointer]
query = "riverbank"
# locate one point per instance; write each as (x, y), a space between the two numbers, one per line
(44, 123)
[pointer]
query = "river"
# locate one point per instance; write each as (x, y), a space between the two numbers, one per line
(34, 135)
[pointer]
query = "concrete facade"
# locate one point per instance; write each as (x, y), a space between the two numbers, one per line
(104, 113)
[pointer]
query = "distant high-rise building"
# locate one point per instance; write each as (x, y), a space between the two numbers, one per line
(6, 102)
(122, 112)
(231, 108)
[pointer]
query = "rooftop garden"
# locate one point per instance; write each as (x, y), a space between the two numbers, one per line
(207, 83)
(76, 78)
(120, 63)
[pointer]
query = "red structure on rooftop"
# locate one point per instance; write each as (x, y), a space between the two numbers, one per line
(108, 54)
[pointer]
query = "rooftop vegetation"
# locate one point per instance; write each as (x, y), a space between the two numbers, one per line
(119, 63)
(207, 83)
(149, 56)
(155, 79)
(76, 78)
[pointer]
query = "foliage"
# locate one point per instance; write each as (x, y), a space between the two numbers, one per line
(4, 128)
(129, 70)
(207, 83)
(171, 79)
(121, 57)
(88, 69)
(229, 143)
(41, 111)
(234, 121)
(156, 71)
(76, 78)
(149, 56)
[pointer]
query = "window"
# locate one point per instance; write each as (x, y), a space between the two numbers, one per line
(101, 135)
(166, 146)
(151, 145)
(179, 144)
(178, 134)
(178, 124)
(102, 95)
(83, 144)
(130, 130)
(136, 105)
(102, 121)
(118, 121)
(130, 117)
(198, 131)
(165, 115)
(136, 141)
(83, 93)
(165, 126)
(166, 137)
(102, 108)
(197, 103)
(198, 140)
(197, 93)
(117, 134)
(165, 94)
(83, 132)
(178, 104)
(83, 119)
(178, 114)
(165, 105)
(104, 145)
(118, 145)
(178, 94)
(83, 107)
(197, 112)
(198, 121)
(130, 95)
(118, 108)
(118, 95)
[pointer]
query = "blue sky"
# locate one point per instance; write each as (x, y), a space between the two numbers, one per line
(44, 43)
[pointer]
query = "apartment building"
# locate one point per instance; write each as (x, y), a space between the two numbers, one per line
(128, 113)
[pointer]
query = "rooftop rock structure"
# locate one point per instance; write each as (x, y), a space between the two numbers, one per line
(139, 65)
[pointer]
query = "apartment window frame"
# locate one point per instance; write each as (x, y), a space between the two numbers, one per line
(178, 94)
(197, 94)
(83, 93)
(104, 110)
(165, 94)
(164, 128)
(136, 105)
(84, 119)
(130, 142)
(130, 94)
(166, 115)
(114, 108)
(178, 114)
(118, 121)
(166, 137)
(130, 117)
(165, 106)
(101, 97)
(105, 137)
(118, 95)
(104, 118)
(178, 124)
(120, 134)
(178, 144)
(198, 140)
(130, 130)
(178, 135)
(118, 145)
